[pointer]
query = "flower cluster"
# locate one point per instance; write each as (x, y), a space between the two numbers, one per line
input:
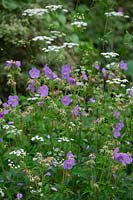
(118, 128)
(37, 138)
(79, 24)
(10, 63)
(56, 48)
(41, 11)
(110, 54)
(116, 14)
(19, 152)
(124, 158)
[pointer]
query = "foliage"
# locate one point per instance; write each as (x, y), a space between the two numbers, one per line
(65, 110)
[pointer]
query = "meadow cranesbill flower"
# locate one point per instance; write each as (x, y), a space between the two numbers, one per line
(19, 196)
(31, 87)
(75, 110)
(70, 155)
(1, 139)
(118, 128)
(92, 100)
(131, 92)
(13, 100)
(104, 72)
(5, 111)
(66, 100)
(48, 72)
(116, 114)
(9, 63)
(71, 81)
(48, 174)
(84, 76)
(123, 65)
(5, 105)
(43, 91)
(1, 115)
(69, 162)
(65, 70)
(34, 73)
(96, 66)
(124, 158)
(17, 63)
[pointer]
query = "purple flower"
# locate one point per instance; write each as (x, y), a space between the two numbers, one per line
(118, 128)
(10, 122)
(79, 83)
(34, 73)
(84, 76)
(104, 72)
(48, 72)
(71, 81)
(43, 91)
(131, 92)
(96, 66)
(9, 63)
(5, 112)
(1, 115)
(40, 103)
(55, 76)
(65, 70)
(69, 162)
(5, 105)
(31, 87)
(92, 100)
(116, 114)
(70, 155)
(1, 139)
(66, 100)
(116, 133)
(13, 100)
(19, 196)
(120, 9)
(124, 158)
(48, 174)
(83, 113)
(123, 65)
(75, 110)
(17, 63)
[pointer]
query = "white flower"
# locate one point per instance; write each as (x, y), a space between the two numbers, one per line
(2, 193)
(79, 24)
(110, 54)
(116, 14)
(37, 138)
(19, 152)
(35, 11)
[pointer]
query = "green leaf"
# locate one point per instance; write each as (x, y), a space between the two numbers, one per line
(10, 4)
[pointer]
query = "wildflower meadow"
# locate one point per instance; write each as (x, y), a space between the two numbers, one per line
(66, 100)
